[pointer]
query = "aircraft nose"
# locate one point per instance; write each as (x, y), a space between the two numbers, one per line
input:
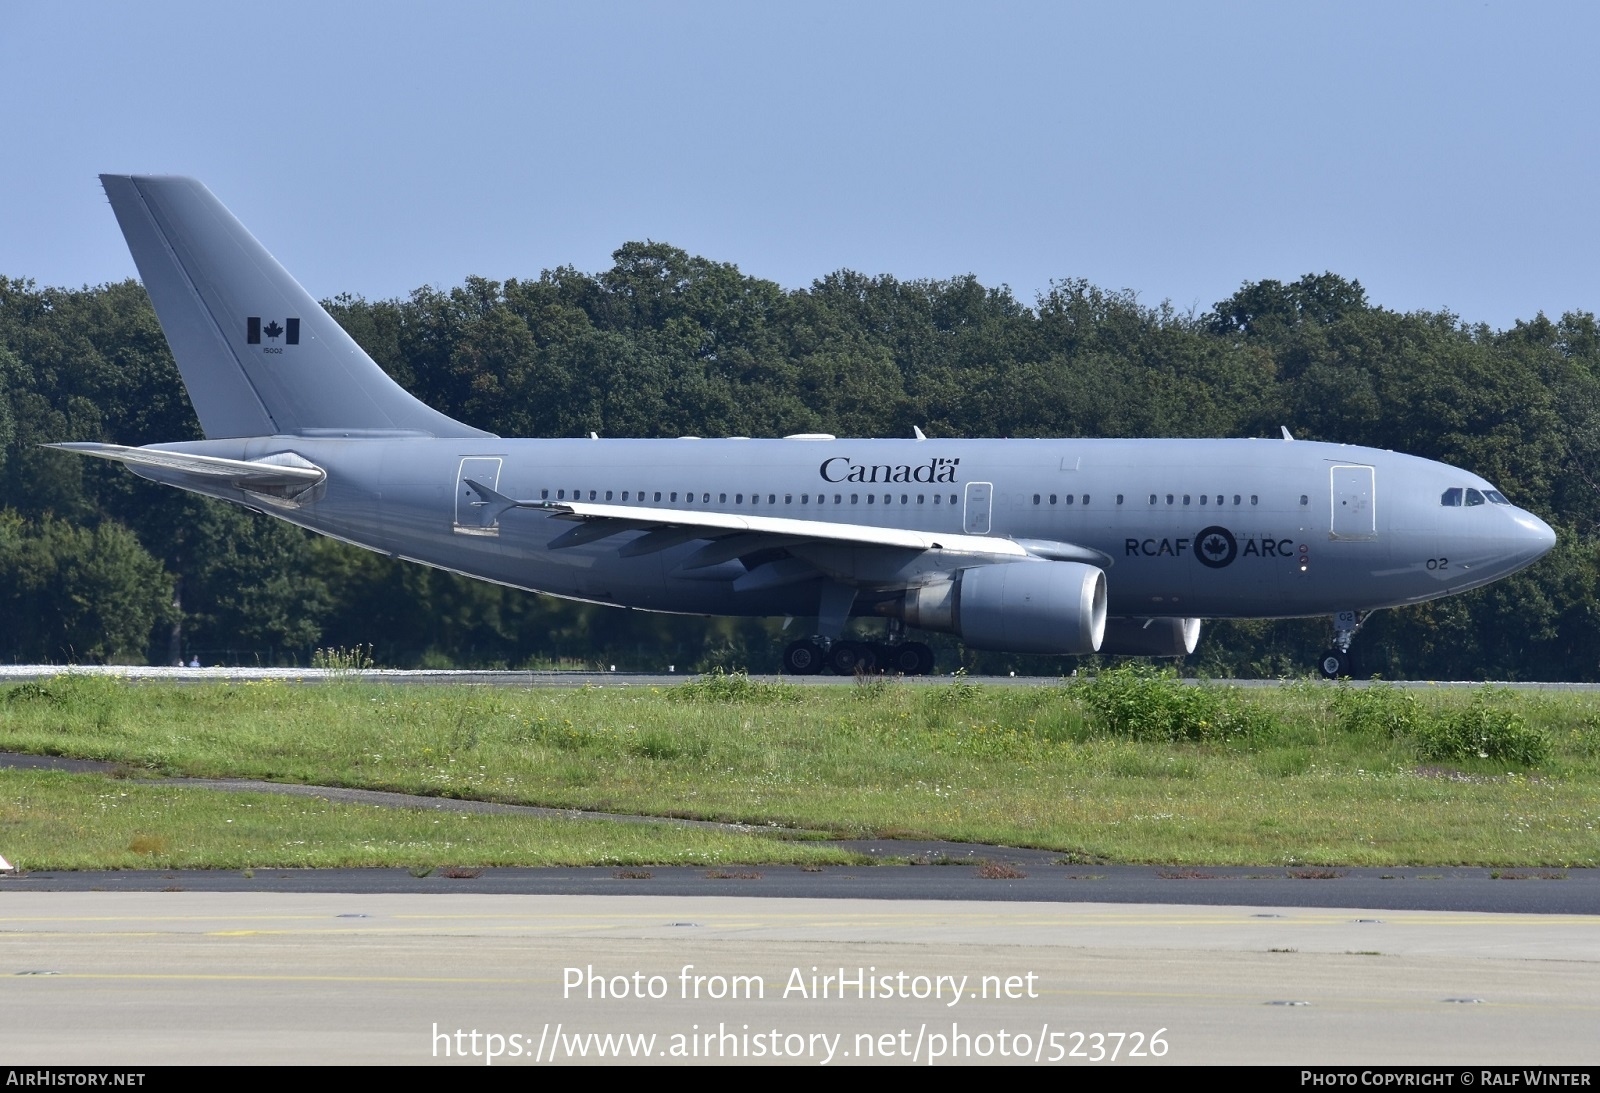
(1533, 539)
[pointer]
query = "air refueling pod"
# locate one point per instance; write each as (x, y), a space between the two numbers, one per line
(1150, 637)
(1017, 607)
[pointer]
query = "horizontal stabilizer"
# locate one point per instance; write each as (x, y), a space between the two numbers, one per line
(283, 470)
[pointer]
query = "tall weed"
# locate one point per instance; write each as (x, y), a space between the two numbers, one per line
(1142, 704)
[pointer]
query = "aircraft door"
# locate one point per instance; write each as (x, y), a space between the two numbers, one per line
(484, 469)
(1355, 514)
(980, 502)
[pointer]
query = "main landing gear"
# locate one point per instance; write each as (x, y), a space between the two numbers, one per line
(808, 656)
(1335, 663)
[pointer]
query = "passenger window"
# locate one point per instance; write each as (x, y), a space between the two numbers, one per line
(722, 499)
(905, 499)
(919, 498)
(624, 495)
(1071, 499)
(1035, 499)
(1119, 498)
(658, 495)
(674, 495)
(544, 495)
(1169, 498)
(1304, 500)
(1152, 498)
(1219, 498)
(1253, 498)
(1474, 498)
(872, 499)
(805, 499)
(1204, 499)
(1451, 498)
(772, 499)
(838, 499)
(1235, 499)
(738, 498)
(1085, 499)
(608, 495)
(855, 498)
(938, 497)
(561, 495)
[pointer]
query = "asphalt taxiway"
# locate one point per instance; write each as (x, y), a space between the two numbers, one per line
(133, 978)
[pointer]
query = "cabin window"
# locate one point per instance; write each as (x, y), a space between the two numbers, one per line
(872, 499)
(658, 495)
(1185, 499)
(1119, 498)
(1304, 500)
(738, 498)
(544, 495)
(1204, 499)
(1474, 498)
(608, 495)
(674, 495)
(855, 498)
(772, 499)
(1253, 499)
(1035, 499)
(561, 495)
(905, 499)
(937, 498)
(919, 498)
(1235, 499)
(838, 499)
(624, 495)
(722, 499)
(1085, 499)
(1152, 498)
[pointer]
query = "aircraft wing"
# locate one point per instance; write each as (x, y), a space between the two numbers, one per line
(279, 472)
(749, 534)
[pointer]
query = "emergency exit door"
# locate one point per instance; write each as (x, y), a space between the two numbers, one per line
(980, 502)
(1355, 513)
(482, 469)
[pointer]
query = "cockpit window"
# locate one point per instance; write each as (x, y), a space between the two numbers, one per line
(1451, 497)
(1474, 497)
(1496, 496)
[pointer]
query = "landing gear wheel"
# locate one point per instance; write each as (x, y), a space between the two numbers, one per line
(904, 660)
(802, 658)
(845, 656)
(1334, 664)
(924, 657)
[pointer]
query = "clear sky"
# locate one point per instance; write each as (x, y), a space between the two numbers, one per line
(1444, 154)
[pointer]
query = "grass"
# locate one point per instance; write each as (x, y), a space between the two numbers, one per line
(52, 820)
(1137, 771)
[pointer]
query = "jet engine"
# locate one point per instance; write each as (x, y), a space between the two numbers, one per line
(1150, 637)
(1013, 607)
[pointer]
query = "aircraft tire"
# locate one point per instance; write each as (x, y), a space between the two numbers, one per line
(925, 659)
(844, 657)
(802, 658)
(1334, 664)
(904, 659)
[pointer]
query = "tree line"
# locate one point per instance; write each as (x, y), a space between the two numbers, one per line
(98, 565)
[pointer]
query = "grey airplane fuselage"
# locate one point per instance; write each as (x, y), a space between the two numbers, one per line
(1190, 528)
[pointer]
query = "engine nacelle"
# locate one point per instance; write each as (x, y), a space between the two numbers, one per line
(1150, 637)
(1014, 607)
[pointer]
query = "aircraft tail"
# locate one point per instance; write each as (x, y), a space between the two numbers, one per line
(258, 355)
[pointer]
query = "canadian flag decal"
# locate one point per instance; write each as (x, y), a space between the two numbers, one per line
(289, 330)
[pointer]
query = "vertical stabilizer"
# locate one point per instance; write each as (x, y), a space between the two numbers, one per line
(258, 355)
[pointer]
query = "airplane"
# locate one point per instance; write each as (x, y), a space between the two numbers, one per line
(1061, 546)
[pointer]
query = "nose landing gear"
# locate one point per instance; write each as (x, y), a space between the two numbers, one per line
(1336, 662)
